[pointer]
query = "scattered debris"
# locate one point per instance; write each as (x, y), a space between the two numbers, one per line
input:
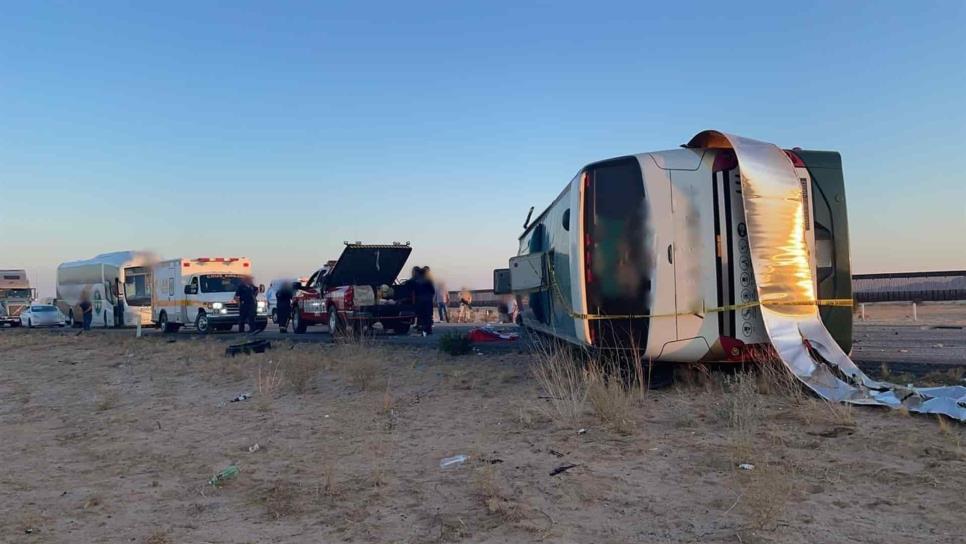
(555, 453)
(247, 348)
(243, 396)
(562, 468)
(487, 333)
(452, 461)
(581, 431)
(227, 474)
(746, 466)
(254, 447)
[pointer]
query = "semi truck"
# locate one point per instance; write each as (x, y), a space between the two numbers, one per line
(650, 252)
(15, 296)
(200, 293)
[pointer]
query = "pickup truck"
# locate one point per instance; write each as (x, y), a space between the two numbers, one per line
(355, 292)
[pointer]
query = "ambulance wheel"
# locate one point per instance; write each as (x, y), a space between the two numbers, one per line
(336, 324)
(201, 323)
(164, 325)
(298, 325)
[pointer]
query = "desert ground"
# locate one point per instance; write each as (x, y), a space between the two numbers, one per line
(112, 438)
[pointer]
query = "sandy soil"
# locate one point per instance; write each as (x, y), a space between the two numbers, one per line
(109, 439)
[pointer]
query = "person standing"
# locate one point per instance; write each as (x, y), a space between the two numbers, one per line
(245, 295)
(283, 305)
(442, 299)
(466, 306)
(425, 293)
(87, 310)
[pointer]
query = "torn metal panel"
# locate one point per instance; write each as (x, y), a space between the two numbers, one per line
(775, 217)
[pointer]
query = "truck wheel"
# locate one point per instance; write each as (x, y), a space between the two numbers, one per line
(401, 328)
(336, 324)
(201, 323)
(274, 315)
(298, 324)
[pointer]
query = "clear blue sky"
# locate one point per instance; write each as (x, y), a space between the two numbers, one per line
(162, 126)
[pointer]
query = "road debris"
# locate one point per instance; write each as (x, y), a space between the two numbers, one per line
(231, 471)
(562, 468)
(453, 461)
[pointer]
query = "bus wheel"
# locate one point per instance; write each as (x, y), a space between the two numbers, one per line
(201, 323)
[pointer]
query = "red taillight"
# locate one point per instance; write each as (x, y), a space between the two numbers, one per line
(185, 265)
(246, 265)
(796, 161)
(348, 298)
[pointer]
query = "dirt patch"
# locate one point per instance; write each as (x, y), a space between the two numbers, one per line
(109, 438)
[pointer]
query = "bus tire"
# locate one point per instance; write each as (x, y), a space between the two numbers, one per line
(201, 323)
(298, 324)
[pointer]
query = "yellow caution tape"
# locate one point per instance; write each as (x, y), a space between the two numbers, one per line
(845, 302)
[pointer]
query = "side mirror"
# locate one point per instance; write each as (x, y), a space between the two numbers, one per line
(261, 287)
(187, 289)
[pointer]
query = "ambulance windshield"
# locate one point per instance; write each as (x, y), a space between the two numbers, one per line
(220, 283)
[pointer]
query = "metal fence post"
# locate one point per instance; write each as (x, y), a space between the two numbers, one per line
(862, 308)
(915, 315)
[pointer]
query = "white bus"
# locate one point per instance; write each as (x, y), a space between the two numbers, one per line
(118, 286)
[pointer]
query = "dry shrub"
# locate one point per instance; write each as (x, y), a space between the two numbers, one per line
(281, 500)
(613, 401)
(359, 358)
(158, 537)
(327, 484)
(564, 382)
(743, 412)
(301, 367)
(106, 398)
(495, 496)
(765, 491)
(267, 382)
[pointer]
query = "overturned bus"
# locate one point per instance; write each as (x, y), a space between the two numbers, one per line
(650, 252)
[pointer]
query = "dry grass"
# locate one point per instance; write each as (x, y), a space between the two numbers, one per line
(158, 537)
(743, 414)
(564, 383)
(301, 367)
(107, 397)
(282, 499)
(359, 358)
(268, 381)
(765, 493)
(613, 401)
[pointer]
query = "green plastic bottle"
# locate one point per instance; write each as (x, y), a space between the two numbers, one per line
(221, 477)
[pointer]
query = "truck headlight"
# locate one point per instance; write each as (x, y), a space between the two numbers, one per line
(217, 305)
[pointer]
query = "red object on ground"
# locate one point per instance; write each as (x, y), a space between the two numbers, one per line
(486, 334)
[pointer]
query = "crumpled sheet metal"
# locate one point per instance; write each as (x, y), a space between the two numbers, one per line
(775, 220)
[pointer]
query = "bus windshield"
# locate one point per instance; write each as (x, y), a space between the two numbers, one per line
(137, 289)
(220, 283)
(15, 293)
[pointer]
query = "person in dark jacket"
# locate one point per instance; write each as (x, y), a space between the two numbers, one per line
(87, 310)
(246, 294)
(425, 293)
(283, 305)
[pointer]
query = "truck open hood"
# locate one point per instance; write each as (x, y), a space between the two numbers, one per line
(362, 264)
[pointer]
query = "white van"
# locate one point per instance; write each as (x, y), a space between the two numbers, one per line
(200, 293)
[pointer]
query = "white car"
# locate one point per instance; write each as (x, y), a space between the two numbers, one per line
(42, 315)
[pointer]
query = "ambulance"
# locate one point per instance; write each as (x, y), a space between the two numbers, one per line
(200, 293)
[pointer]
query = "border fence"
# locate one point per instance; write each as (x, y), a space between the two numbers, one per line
(910, 286)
